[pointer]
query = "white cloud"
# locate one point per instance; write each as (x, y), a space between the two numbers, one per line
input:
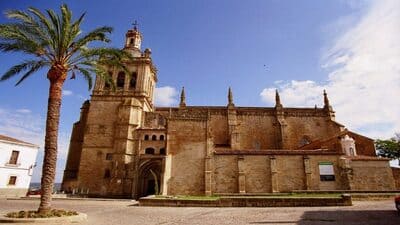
(67, 92)
(165, 96)
(364, 74)
(23, 111)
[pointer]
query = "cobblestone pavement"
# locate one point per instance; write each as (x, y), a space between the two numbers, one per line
(123, 212)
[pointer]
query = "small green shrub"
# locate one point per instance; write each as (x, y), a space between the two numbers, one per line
(35, 214)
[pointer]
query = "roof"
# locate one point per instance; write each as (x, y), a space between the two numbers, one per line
(320, 142)
(7, 139)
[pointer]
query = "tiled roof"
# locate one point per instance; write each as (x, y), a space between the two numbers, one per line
(4, 138)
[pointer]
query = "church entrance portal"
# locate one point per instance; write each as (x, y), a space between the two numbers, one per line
(149, 178)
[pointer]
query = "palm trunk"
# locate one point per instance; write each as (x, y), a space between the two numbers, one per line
(57, 79)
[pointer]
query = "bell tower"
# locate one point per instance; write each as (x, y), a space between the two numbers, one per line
(142, 77)
(109, 146)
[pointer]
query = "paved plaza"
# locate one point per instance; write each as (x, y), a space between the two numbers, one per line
(124, 212)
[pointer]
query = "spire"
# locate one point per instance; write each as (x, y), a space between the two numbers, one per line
(230, 97)
(182, 104)
(277, 99)
(327, 107)
(326, 101)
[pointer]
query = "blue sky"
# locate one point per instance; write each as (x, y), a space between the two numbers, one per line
(350, 48)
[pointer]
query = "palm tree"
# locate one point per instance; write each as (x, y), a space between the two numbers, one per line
(53, 41)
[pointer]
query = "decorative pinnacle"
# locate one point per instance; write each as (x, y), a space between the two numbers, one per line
(230, 97)
(277, 99)
(326, 100)
(183, 98)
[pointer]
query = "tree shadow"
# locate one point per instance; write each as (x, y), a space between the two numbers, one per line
(350, 217)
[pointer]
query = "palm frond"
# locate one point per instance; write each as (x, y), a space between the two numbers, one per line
(29, 64)
(53, 39)
(46, 27)
(33, 69)
(88, 77)
(66, 16)
(98, 34)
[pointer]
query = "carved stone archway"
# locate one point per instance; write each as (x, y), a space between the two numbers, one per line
(147, 183)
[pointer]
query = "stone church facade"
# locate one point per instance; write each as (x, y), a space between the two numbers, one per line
(124, 146)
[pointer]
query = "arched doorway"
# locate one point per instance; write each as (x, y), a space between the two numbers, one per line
(149, 178)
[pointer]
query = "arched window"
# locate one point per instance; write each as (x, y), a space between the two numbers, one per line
(131, 41)
(149, 151)
(146, 137)
(305, 140)
(121, 80)
(162, 151)
(351, 151)
(161, 137)
(154, 137)
(132, 82)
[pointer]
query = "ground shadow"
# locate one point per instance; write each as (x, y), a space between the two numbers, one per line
(351, 217)
(348, 217)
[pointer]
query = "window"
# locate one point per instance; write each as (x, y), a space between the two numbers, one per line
(121, 80)
(304, 141)
(146, 137)
(14, 157)
(326, 171)
(131, 41)
(162, 151)
(154, 138)
(132, 82)
(107, 173)
(109, 156)
(149, 151)
(161, 137)
(12, 180)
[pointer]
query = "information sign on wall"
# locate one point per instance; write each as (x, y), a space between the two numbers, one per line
(326, 171)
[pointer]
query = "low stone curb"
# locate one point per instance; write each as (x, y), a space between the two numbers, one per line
(81, 217)
(236, 201)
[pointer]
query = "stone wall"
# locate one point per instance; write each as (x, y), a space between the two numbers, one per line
(308, 127)
(257, 171)
(273, 173)
(98, 142)
(257, 131)
(187, 147)
(290, 173)
(396, 176)
(219, 129)
(371, 175)
(225, 174)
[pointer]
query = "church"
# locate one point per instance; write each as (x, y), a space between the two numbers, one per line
(123, 146)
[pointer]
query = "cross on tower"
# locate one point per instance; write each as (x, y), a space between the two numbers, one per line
(135, 23)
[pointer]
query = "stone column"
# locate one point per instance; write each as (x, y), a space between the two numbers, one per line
(208, 167)
(241, 176)
(233, 128)
(307, 171)
(207, 174)
(274, 174)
